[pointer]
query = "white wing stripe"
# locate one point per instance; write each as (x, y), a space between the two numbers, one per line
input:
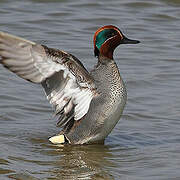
(82, 108)
(56, 97)
(68, 108)
(76, 96)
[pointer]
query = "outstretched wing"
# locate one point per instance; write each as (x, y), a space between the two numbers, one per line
(68, 85)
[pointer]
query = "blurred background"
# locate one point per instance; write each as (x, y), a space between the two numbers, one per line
(145, 144)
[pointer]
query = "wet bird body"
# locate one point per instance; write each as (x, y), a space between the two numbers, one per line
(89, 104)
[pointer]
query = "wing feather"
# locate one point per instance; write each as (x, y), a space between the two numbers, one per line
(67, 84)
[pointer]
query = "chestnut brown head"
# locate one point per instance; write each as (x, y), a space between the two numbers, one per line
(107, 38)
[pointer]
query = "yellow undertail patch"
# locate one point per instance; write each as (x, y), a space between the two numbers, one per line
(59, 139)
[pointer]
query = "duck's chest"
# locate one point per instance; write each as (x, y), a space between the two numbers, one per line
(112, 97)
(109, 82)
(110, 87)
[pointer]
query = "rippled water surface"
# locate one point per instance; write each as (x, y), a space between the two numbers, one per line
(145, 144)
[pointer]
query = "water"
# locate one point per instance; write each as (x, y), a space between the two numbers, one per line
(145, 144)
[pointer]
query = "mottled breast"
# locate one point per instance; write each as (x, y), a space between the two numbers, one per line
(113, 92)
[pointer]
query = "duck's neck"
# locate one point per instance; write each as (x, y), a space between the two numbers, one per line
(104, 60)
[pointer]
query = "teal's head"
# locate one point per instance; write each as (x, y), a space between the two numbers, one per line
(103, 36)
(107, 38)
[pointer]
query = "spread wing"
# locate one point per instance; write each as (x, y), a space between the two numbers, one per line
(67, 84)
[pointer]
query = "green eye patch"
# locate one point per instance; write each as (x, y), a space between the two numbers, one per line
(103, 36)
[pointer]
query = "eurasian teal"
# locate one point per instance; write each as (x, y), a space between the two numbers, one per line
(88, 104)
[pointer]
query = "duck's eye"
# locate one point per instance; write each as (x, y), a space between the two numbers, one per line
(113, 34)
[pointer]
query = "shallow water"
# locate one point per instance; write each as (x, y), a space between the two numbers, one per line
(145, 144)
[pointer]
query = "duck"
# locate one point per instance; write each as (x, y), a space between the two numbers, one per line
(88, 104)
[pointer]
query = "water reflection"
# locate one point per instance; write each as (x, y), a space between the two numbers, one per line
(81, 162)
